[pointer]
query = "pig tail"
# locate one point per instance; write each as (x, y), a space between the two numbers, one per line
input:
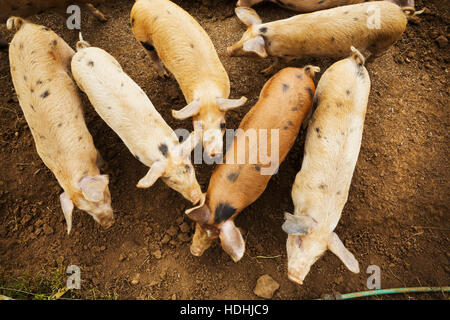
(357, 56)
(14, 22)
(81, 44)
(311, 70)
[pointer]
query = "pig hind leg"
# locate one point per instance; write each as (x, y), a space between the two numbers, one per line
(276, 64)
(156, 61)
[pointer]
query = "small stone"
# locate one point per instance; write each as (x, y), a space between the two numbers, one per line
(184, 227)
(442, 41)
(122, 257)
(165, 239)
(266, 287)
(157, 254)
(174, 297)
(135, 279)
(179, 220)
(183, 237)
(172, 231)
(47, 229)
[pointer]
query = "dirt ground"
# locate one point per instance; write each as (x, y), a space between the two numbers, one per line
(396, 217)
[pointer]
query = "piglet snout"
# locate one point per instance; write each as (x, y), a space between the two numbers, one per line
(106, 221)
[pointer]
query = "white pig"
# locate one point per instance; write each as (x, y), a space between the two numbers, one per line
(40, 69)
(174, 39)
(125, 107)
(372, 26)
(332, 145)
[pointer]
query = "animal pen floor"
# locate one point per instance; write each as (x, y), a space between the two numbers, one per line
(396, 217)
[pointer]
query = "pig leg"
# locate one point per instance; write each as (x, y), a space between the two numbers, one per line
(201, 241)
(157, 63)
(99, 161)
(96, 13)
(278, 61)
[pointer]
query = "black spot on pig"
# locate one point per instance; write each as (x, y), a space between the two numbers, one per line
(355, 19)
(148, 46)
(21, 46)
(233, 176)
(45, 94)
(59, 125)
(31, 106)
(323, 186)
(332, 39)
(345, 12)
(80, 138)
(299, 76)
(338, 193)
(294, 108)
(290, 123)
(54, 42)
(91, 63)
(310, 93)
(192, 46)
(132, 21)
(39, 82)
(348, 92)
(257, 168)
(285, 87)
(187, 167)
(285, 127)
(164, 149)
(223, 212)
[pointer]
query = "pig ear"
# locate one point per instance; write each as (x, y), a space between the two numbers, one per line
(155, 172)
(67, 208)
(189, 111)
(298, 225)
(228, 104)
(337, 247)
(231, 240)
(256, 45)
(247, 16)
(200, 213)
(189, 144)
(93, 188)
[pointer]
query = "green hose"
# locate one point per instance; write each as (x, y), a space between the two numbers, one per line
(384, 291)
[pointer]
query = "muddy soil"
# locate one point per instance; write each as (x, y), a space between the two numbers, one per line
(396, 217)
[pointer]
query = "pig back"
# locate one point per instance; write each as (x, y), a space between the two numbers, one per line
(335, 132)
(284, 102)
(50, 101)
(182, 44)
(372, 25)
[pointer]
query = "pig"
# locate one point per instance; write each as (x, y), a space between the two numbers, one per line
(285, 101)
(125, 107)
(25, 8)
(314, 5)
(40, 62)
(321, 187)
(326, 33)
(174, 38)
